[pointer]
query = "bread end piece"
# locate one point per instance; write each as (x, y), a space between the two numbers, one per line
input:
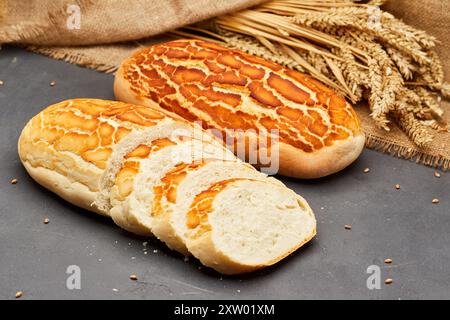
(73, 192)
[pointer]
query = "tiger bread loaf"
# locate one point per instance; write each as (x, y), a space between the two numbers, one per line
(153, 174)
(246, 98)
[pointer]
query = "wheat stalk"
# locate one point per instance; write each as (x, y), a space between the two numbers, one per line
(355, 48)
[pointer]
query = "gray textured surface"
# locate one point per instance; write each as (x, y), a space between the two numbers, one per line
(387, 223)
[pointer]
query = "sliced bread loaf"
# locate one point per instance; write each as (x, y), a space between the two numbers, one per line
(113, 158)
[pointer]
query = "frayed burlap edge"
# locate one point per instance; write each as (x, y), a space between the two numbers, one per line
(389, 147)
(73, 58)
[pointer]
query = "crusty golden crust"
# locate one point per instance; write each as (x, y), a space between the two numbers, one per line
(85, 129)
(76, 139)
(229, 89)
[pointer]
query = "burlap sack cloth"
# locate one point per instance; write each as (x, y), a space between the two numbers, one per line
(110, 30)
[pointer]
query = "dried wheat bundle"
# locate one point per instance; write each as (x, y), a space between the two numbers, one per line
(356, 48)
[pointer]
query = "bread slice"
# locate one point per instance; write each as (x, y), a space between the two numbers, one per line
(178, 188)
(167, 127)
(241, 225)
(132, 194)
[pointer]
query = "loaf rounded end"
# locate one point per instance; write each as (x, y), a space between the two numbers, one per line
(296, 163)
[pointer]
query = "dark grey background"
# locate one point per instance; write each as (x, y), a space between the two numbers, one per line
(400, 224)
